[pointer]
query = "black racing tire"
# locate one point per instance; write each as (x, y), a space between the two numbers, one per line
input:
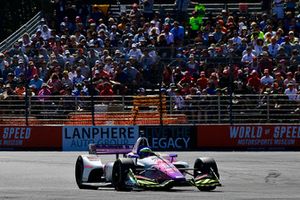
(205, 165)
(79, 173)
(119, 173)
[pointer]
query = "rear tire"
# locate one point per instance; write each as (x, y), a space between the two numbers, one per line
(79, 173)
(205, 165)
(119, 173)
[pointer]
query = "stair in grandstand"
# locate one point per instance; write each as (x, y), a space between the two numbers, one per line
(30, 27)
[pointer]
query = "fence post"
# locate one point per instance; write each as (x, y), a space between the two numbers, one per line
(219, 109)
(268, 107)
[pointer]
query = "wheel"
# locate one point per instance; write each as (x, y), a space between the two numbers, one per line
(206, 165)
(79, 174)
(119, 173)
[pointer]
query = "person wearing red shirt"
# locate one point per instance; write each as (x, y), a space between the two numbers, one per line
(186, 79)
(254, 82)
(202, 81)
(107, 90)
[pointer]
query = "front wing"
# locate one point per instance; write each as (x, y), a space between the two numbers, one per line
(137, 181)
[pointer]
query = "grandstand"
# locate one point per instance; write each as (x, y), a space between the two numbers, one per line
(226, 98)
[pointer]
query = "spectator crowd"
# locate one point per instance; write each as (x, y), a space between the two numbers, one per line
(87, 51)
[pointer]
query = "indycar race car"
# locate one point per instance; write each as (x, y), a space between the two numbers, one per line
(141, 168)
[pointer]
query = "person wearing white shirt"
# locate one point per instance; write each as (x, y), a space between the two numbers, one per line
(248, 57)
(236, 38)
(135, 52)
(267, 79)
(291, 92)
(179, 100)
(45, 32)
(169, 36)
(273, 47)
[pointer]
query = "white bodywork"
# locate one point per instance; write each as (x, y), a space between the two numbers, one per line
(90, 162)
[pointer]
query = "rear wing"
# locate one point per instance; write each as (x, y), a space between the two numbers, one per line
(99, 149)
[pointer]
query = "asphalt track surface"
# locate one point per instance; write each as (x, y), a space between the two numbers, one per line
(244, 175)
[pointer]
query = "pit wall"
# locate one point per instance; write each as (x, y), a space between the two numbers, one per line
(242, 137)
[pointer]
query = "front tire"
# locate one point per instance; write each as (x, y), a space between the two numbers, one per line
(119, 174)
(79, 173)
(208, 166)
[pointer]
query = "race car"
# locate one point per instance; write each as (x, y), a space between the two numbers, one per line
(142, 168)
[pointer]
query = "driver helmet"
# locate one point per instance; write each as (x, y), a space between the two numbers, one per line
(145, 152)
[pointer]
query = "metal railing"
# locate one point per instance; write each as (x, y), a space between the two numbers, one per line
(211, 7)
(118, 110)
(30, 27)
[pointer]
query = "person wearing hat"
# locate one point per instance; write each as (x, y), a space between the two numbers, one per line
(264, 62)
(289, 79)
(248, 57)
(135, 52)
(20, 68)
(11, 79)
(114, 36)
(68, 57)
(291, 92)
(108, 67)
(44, 92)
(179, 101)
(139, 35)
(118, 56)
(293, 39)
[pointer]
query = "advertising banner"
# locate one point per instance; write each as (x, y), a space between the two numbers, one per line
(249, 137)
(30, 138)
(174, 138)
(77, 138)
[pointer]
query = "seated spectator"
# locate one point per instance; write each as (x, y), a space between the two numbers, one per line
(44, 92)
(291, 92)
(66, 80)
(264, 62)
(289, 80)
(254, 82)
(248, 57)
(55, 84)
(107, 90)
(79, 77)
(36, 81)
(202, 81)
(267, 80)
(279, 80)
(273, 47)
(294, 60)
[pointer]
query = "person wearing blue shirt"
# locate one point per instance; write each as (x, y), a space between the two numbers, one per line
(178, 33)
(36, 81)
